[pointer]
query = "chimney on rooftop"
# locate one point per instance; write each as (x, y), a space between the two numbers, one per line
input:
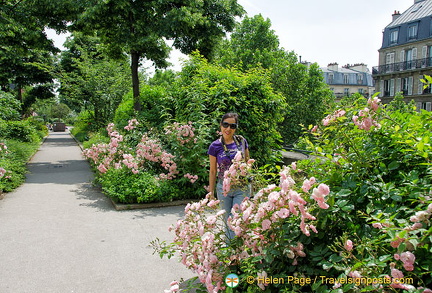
(332, 66)
(395, 15)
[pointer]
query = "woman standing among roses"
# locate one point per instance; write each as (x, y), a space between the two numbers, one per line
(221, 153)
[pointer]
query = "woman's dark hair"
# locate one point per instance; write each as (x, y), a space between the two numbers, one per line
(230, 115)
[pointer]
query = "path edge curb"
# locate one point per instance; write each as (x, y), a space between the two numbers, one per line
(136, 206)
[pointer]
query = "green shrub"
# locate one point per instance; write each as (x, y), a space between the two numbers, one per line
(84, 126)
(126, 187)
(95, 138)
(9, 107)
(14, 161)
(25, 130)
(355, 217)
(205, 92)
(155, 110)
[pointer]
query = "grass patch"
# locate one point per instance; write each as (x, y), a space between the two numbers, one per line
(14, 161)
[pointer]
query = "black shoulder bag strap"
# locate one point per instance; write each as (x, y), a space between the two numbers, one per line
(239, 147)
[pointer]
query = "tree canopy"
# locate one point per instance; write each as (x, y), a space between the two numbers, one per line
(141, 28)
(26, 55)
(254, 44)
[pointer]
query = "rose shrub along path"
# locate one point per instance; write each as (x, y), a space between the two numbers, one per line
(58, 233)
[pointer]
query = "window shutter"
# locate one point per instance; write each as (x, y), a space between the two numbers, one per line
(388, 58)
(420, 87)
(419, 106)
(410, 85)
(414, 58)
(402, 56)
(424, 51)
(428, 106)
(398, 85)
(392, 93)
(381, 94)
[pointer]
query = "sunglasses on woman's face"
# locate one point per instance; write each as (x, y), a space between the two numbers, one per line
(226, 125)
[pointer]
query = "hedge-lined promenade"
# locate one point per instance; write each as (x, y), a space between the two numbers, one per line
(58, 233)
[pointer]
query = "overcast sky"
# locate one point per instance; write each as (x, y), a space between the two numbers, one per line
(323, 31)
(326, 31)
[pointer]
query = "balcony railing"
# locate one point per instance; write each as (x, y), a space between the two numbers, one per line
(402, 66)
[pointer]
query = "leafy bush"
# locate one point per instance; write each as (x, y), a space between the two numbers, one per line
(96, 138)
(204, 92)
(23, 130)
(356, 217)
(84, 125)
(126, 187)
(9, 107)
(155, 106)
(13, 160)
(134, 153)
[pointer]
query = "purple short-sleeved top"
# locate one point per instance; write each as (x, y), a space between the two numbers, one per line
(216, 149)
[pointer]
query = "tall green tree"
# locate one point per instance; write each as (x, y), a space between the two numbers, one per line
(141, 28)
(92, 80)
(254, 44)
(26, 55)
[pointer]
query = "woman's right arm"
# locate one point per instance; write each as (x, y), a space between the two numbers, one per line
(212, 176)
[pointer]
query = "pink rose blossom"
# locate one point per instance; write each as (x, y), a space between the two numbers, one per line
(266, 224)
(397, 274)
(348, 245)
(283, 213)
(377, 225)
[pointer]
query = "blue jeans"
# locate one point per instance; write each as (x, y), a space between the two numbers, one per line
(234, 197)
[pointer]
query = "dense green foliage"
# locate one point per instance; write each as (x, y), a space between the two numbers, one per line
(205, 92)
(26, 55)
(9, 107)
(254, 44)
(19, 140)
(365, 228)
(141, 29)
(91, 80)
(155, 102)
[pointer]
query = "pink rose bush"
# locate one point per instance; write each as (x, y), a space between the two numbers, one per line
(377, 158)
(200, 238)
(184, 133)
(131, 151)
(237, 174)
(117, 155)
(373, 229)
(3, 151)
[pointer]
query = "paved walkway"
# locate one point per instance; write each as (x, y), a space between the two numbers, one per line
(60, 234)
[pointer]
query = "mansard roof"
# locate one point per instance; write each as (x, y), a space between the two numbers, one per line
(417, 11)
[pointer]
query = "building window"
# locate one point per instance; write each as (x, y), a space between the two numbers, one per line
(359, 78)
(412, 31)
(394, 37)
(361, 91)
(407, 85)
(330, 78)
(386, 88)
(410, 56)
(346, 92)
(426, 106)
(346, 79)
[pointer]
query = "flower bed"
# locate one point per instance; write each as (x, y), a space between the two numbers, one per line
(357, 218)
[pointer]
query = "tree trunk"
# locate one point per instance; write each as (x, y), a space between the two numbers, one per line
(135, 80)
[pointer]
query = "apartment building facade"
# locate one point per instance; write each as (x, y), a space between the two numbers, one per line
(406, 56)
(348, 79)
